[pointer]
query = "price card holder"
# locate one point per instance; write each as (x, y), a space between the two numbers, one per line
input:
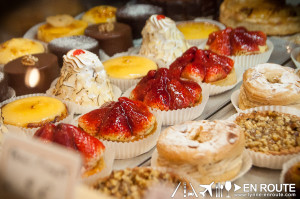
(38, 170)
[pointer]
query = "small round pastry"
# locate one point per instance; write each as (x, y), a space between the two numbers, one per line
(163, 91)
(3, 87)
(76, 139)
(60, 26)
(269, 84)
(100, 14)
(18, 47)
(32, 73)
(61, 46)
(122, 121)
(205, 66)
(209, 151)
(32, 112)
(292, 176)
(136, 16)
(129, 67)
(112, 37)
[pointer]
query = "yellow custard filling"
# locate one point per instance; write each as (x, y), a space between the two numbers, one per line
(197, 30)
(129, 67)
(32, 110)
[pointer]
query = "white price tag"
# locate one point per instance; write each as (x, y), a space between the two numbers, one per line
(37, 170)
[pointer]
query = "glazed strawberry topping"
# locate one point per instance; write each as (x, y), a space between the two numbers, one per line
(159, 17)
(164, 90)
(235, 41)
(74, 138)
(202, 66)
(120, 120)
(78, 52)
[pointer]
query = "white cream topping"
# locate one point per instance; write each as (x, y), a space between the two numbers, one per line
(162, 40)
(274, 78)
(83, 80)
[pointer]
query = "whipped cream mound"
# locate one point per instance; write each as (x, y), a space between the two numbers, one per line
(83, 79)
(162, 40)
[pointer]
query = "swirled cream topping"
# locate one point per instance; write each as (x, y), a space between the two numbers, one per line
(162, 40)
(83, 79)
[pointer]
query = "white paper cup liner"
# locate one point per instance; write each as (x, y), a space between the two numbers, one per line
(181, 115)
(124, 84)
(246, 165)
(235, 100)
(286, 166)
(214, 89)
(109, 156)
(31, 131)
(80, 109)
(267, 160)
(199, 43)
(125, 150)
(249, 61)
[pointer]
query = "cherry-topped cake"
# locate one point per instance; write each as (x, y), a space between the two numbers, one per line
(238, 41)
(204, 66)
(74, 138)
(122, 121)
(162, 90)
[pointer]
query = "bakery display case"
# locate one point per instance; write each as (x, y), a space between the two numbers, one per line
(150, 99)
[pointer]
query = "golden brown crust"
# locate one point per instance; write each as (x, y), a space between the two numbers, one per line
(228, 81)
(271, 17)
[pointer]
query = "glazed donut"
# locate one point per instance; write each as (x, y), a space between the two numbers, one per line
(269, 84)
(206, 150)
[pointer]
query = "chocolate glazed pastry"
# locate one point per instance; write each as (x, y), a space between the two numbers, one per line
(112, 37)
(32, 73)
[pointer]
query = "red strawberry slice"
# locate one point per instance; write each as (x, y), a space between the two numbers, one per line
(219, 42)
(194, 89)
(214, 73)
(225, 62)
(46, 132)
(115, 126)
(64, 136)
(180, 95)
(92, 121)
(138, 115)
(194, 72)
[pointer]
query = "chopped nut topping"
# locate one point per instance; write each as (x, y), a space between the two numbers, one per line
(271, 132)
(29, 60)
(133, 183)
(106, 27)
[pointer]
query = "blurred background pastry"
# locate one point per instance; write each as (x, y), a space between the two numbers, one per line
(60, 26)
(100, 14)
(61, 46)
(271, 17)
(136, 16)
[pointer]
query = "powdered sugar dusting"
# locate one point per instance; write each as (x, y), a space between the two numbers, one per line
(181, 135)
(274, 78)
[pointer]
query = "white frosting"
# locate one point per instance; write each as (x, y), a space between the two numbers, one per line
(286, 79)
(83, 80)
(162, 40)
(219, 131)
